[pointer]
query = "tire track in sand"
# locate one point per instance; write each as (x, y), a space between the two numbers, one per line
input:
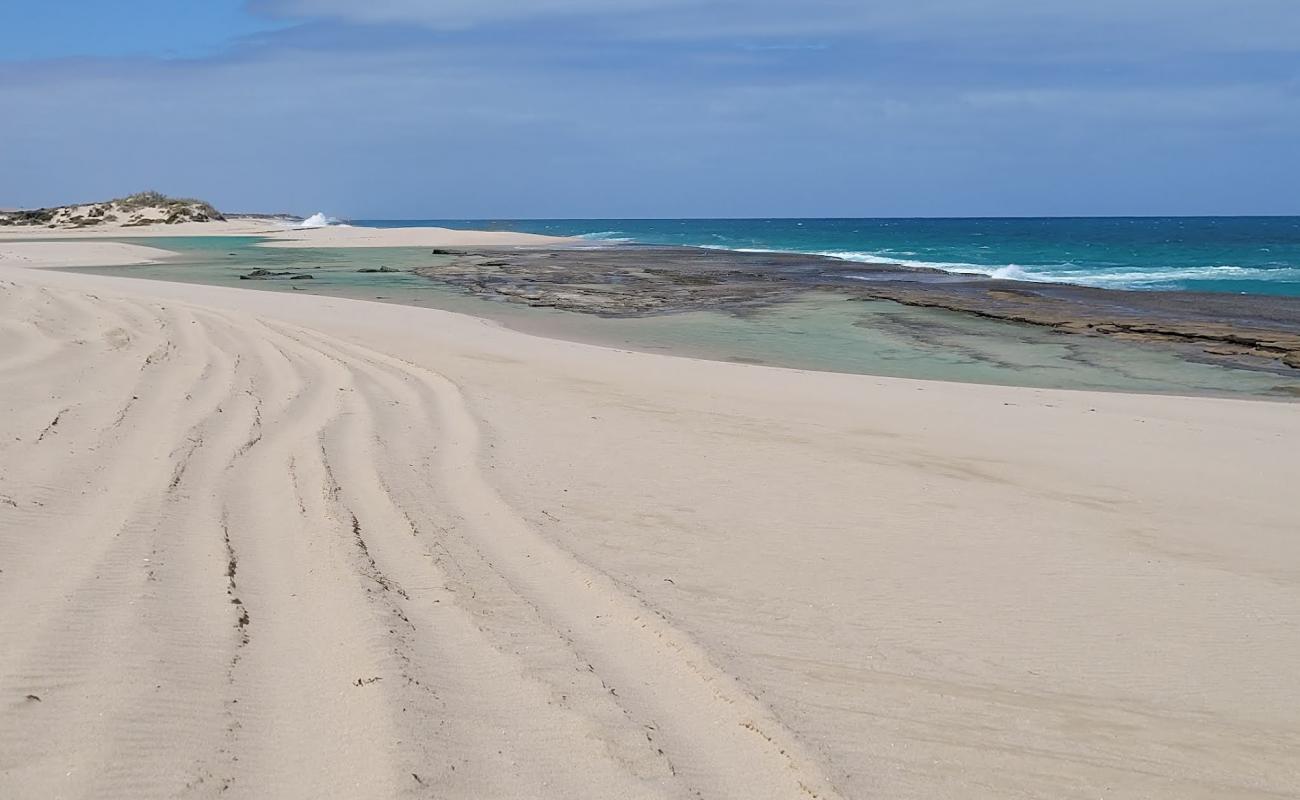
(267, 562)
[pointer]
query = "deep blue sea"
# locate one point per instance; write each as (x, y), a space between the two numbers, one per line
(1254, 255)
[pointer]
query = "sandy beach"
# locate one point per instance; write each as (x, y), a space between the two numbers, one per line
(280, 233)
(280, 545)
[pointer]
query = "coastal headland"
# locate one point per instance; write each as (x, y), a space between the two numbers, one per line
(152, 214)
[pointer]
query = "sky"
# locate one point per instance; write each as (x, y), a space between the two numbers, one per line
(475, 109)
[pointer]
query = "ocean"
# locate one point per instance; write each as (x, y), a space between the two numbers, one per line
(1250, 255)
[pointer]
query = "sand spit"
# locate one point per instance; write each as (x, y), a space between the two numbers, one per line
(257, 544)
(357, 236)
(230, 226)
(279, 233)
(77, 254)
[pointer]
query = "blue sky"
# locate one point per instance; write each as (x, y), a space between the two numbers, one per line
(617, 108)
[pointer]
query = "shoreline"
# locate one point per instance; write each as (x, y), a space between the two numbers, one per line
(646, 282)
(283, 235)
(634, 280)
(1122, 253)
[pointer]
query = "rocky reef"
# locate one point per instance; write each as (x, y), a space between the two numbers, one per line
(627, 281)
(1249, 330)
(274, 275)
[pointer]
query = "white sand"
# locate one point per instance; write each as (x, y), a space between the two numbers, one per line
(282, 234)
(77, 254)
(233, 226)
(560, 570)
(355, 236)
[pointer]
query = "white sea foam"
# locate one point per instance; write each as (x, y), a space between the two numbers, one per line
(319, 220)
(1160, 277)
(1154, 277)
(1010, 271)
(1067, 272)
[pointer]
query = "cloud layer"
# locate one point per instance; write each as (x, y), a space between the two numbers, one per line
(1165, 24)
(697, 107)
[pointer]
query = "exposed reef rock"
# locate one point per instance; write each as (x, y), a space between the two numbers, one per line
(272, 275)
(1252, 330)
(627, 281)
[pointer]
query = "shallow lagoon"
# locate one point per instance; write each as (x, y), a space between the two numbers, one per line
(822, 331)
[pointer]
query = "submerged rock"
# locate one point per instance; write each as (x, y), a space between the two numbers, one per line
(270, 275)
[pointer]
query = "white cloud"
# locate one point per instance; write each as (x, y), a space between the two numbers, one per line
(1167, 25)
(372, 123)
(454, 14)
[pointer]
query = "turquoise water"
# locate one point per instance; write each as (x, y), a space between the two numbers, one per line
(823, 331)
(1254, 255)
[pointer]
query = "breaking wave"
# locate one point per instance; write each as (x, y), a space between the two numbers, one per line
(319, 220)
(1099, 276)
(1157, 253)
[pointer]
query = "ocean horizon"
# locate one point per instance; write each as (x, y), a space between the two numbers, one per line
(1237, 254)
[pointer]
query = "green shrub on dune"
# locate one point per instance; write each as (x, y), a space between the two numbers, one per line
(141, 208)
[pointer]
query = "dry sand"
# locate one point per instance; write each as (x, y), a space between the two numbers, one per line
(233, 226)
(282, 234)
(78, 254)
(356, 236)
(268, 545)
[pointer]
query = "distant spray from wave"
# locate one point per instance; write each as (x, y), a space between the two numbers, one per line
(319, 220)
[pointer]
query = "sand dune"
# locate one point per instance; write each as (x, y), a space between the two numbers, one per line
(151, 214)
(257, 545)
(232, 226)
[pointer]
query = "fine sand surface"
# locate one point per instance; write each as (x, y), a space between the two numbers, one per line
(266, 545)
(355, 236)
(77, 254)
(232, 226)
(281, 234)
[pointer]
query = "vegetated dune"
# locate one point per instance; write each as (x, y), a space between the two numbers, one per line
(136, 210)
